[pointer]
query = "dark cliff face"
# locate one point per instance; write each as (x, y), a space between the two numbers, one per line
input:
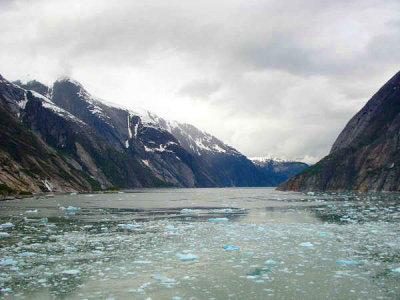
(64, 139)
(366, 155)
(27, 163)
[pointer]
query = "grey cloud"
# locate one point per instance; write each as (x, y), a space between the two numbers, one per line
(285, 76)
(200, 88)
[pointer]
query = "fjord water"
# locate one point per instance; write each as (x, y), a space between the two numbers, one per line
(233, 243)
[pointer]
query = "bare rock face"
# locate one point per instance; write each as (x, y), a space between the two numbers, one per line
(366, 155)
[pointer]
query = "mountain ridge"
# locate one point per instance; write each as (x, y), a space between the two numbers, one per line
(97, 145)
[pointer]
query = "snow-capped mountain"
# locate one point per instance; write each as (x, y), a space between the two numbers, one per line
(99, 145)
(281, 169)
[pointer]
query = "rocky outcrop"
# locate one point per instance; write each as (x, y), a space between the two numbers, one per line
(366, 155)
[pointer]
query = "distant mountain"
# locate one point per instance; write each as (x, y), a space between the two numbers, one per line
(61, 138)
(279, 169)
(366, 155)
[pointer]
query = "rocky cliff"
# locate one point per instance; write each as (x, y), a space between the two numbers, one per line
(366, 155)
(61, 138)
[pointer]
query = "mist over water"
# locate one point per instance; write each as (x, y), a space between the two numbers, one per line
(231, 243)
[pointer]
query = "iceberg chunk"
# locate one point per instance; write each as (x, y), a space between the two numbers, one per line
(186, 257)
(7, 225)
(270, 262)
(218, 219)
(346, 262)
(8, 262)
(306, 244)
(230, 247)
(26, 254)
(4, 234)
(71, 272)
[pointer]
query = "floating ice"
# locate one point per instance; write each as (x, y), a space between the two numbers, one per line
(34, 211)
(397, 270)
(223, 210)
(129, 226)
(230, 247)
(306, 244)
(186, 257)
(7, 225)
(5, 290)
(139, 291)
(188, 211)
(270, 262)
(26, 254)
(142, 262)
(4, 234)
(310, 193)
(71, 272)
(163, 279)
(70, 249)
(72, 208)
(218, 219)
(8, 261)
(170, 227)
(44, 220)
(346, 262)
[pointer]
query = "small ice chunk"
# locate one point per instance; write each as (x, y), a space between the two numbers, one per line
(310, 193)
(218, 219)
(26, 254)
(306, 244)
(170, 227)
(70, 249)
(129, 226)
(34, 211)
(7, 225)
(8, 262)
(346, 262)
(71, 272)
(186, 257)
(142, 262)
(72, 208)
(139, 291)
(188, 211)
(6, 290)
(163, 279)
(270, 262)
(223, 210)
(397, 270)
(230, 247)
(44, 220)
(4, 234)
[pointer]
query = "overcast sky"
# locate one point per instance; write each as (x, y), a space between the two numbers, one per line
(275, 78)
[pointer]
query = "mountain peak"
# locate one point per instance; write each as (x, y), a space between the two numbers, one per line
(67, 79)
